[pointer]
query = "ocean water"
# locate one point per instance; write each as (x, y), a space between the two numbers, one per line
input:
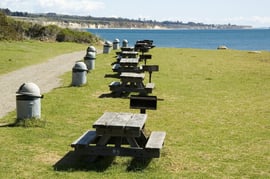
(248, 39)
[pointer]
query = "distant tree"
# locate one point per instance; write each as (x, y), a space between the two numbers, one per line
(6, 11)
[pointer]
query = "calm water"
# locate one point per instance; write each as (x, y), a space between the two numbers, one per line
(255, 39)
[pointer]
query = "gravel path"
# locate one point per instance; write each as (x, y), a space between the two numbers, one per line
(44, 75)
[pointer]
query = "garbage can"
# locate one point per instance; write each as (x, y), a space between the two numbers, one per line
(116, 45)
(89, 60)
(125, 43)
(107, 47)
(79, 72)
(28, 103)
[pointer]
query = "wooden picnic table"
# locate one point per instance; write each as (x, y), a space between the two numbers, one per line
(131, 82)
(128, 54)
(136, 78)
(120, 134)
(127, 65)
(129, 62)
(127, 49)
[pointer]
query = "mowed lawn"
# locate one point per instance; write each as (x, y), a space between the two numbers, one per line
(213, 105)
(18, 54)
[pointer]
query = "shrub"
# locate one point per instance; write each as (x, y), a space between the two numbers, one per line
(67, 35)
(19, 30)
(7, 31)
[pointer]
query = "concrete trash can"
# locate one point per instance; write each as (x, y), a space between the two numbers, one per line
(89, 60)
(79, 72)
(116, 45)
(28, 103)
(125, 43)
(107, 47)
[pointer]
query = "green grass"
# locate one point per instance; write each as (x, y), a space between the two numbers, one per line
(19, 54)
(214, 106)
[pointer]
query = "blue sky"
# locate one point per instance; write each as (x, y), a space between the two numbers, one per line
(240, 12)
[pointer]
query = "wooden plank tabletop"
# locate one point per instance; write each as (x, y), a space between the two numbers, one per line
(129, 60)
(132, 75)
(129, 52)
(121, 120)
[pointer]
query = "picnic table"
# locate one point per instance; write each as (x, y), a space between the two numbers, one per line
(127, 49)
(120, 134)
(128, 54)
(131, 82)
(127, 65)
(129, 62)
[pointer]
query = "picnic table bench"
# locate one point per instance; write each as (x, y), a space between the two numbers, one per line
(131, 82)
(120, 134)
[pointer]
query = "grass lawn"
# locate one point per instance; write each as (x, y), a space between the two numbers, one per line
(16, 55)
(214, 107)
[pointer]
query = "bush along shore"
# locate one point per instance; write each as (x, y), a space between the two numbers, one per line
(11, 29)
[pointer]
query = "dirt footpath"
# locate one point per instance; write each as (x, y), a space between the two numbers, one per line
(45, 75)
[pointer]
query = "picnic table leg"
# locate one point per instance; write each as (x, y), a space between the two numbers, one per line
(118, 141)
(132, 142)
(150, 77)
(140, 85)
(103, 140)
(143, 111)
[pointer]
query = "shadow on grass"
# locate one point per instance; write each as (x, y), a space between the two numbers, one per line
(114, 95)
(7, 124)
(74, 162)
(116, 75)
(138, 164)
(32, 122)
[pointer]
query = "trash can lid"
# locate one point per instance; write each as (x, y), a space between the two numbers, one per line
(91, 49)
(80, 66)
(29, 89)
(125, 41)
(108, 43)
(116, 41)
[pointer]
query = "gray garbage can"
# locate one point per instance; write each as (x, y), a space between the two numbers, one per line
(116, 43)
(89, 60)
(79, 72)
(107, 47)
(125, 43)
(28, 103)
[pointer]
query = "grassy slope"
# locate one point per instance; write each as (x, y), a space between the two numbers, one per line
(16, 55)
(215, 110)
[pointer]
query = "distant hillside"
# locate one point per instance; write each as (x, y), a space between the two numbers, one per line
(70, 21)
(11, 29)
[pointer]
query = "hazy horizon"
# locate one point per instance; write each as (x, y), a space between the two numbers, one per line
(240, 12)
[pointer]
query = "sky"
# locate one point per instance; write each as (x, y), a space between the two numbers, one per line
(240, 12)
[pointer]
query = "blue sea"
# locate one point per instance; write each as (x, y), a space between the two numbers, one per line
(247, 39)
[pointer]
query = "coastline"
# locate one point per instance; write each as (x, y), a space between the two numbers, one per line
(87, 24)
(238, 39)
